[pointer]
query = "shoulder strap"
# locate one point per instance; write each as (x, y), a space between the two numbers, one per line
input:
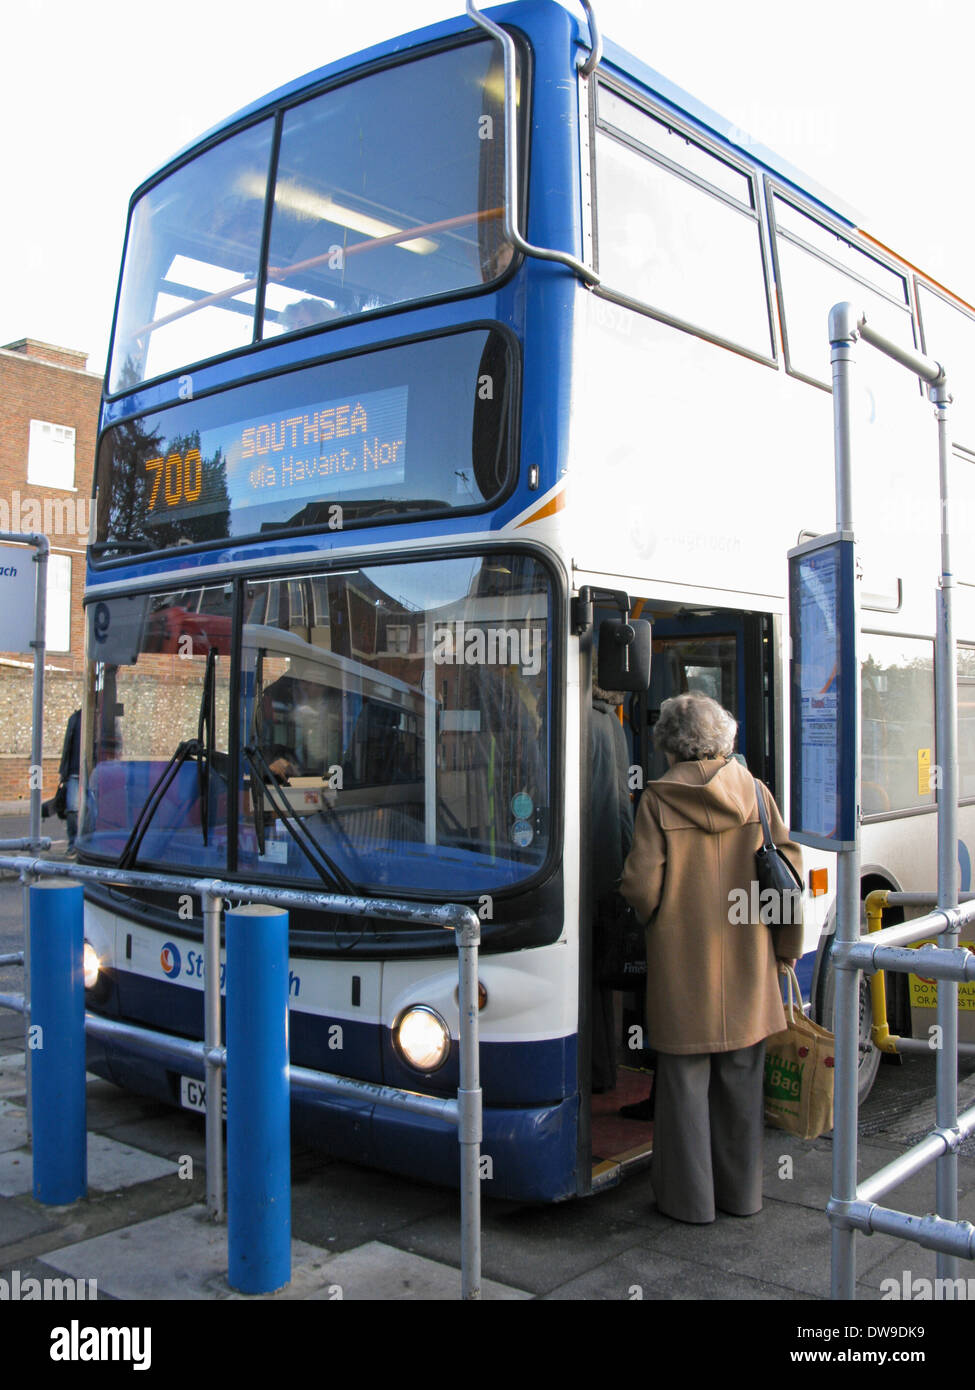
(766, 832)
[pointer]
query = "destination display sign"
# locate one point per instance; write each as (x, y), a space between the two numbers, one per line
(326, 449)
(419, 427)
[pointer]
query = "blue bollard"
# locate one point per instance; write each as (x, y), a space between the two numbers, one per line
(258, 1100)
(56, 1039)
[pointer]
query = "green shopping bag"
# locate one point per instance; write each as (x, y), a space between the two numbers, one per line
(799, 1069)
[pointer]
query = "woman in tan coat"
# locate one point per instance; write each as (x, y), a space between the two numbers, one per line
(713, 995)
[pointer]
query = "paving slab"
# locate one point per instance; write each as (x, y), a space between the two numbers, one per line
(13, 1078)
(108, 1105)
(631, 1201)
(19, 1223)
(11, 1024)
(383, 1273)
(13, 1126)
(642, 1274)
(16, 1173)
(183, 1255)
(784, 1244)
(111, 1166)
(529, 1247)
(169, 1137)
(338, 1206)
(800, 1172)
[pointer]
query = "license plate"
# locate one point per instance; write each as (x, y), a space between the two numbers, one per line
(193, 1095)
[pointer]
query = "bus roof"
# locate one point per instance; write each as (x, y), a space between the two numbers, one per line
(547, 13)
(682, 102)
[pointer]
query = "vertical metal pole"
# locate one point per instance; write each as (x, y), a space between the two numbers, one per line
(211, 1037)
(469, 1131)
(40, 543)
(258, 1100)
(843, 335)
(946, 1082)
(39, 646)
(26, 879)
(58, 1042)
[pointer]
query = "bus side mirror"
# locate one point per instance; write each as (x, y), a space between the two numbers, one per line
(624, 655)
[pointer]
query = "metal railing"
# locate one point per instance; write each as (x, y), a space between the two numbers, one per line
(465, 1112)
(852, 1207)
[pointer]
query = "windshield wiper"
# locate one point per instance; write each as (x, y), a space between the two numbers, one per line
(262, 775)
(257, 740)
(200, 748)
(189, 748)
(204, 738)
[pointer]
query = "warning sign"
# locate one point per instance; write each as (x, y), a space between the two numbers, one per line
(924, 993)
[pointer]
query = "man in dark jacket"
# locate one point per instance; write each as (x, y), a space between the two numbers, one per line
(69, 773)
(611, 835)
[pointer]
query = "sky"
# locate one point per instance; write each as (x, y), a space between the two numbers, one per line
(871, 98)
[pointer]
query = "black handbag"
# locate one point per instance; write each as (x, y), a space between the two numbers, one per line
(779, 886)
(620, 946)
(61, 801)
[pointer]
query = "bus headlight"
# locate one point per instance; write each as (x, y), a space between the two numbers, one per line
(422, 1038)
(92, 965)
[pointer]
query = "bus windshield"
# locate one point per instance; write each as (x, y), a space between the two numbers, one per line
(381, 191)
(393, 726)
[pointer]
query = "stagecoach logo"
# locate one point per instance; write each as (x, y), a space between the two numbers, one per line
(465, 644)
(169, 960)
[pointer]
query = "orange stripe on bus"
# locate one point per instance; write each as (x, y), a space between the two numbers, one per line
(553, 505)
(882, 246)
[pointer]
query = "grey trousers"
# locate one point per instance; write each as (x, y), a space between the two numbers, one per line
(709, 1120)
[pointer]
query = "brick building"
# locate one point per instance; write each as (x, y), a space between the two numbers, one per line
(48, 424)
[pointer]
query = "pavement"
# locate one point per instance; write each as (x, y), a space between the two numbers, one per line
(360, 1235)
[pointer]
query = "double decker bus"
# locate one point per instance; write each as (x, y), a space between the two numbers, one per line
(419, 365)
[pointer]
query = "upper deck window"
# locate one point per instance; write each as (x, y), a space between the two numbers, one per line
(384, 191)
(191, 262)
(389, 189)
(817, 268)
(949, 337)
(677, 228)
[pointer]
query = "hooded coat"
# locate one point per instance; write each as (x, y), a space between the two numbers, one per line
(712, 979)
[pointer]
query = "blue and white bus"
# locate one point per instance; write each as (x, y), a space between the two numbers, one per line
(365, 442)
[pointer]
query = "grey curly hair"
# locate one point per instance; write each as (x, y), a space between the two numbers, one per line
(694, 726)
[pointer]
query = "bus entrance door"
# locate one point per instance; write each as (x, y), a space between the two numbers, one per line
(724, 655)
(728, 656)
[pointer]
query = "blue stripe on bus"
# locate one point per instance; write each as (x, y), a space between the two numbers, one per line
(533, 1072)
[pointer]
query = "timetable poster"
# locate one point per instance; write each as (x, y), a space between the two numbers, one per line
(822, 646)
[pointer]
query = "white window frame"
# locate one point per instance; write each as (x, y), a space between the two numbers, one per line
(57, 628)
(51, 455)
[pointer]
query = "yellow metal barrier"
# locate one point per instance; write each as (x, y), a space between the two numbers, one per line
(880, 1034)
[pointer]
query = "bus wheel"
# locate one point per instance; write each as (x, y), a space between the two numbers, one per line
(869, 1061)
